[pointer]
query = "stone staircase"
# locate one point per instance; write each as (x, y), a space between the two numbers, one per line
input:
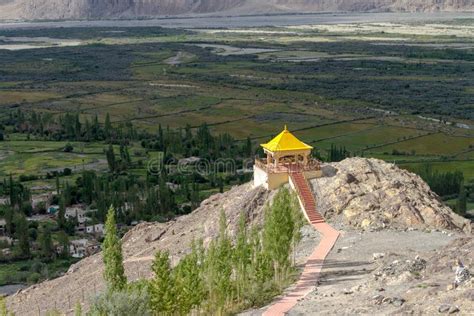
(306, 197)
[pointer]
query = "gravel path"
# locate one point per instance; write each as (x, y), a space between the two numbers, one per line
(348, 268)
(346, 285)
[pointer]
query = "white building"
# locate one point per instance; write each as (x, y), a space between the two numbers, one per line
(3, 225)
(97, 229)
(76, 211)
(77, 248)
(81, 248)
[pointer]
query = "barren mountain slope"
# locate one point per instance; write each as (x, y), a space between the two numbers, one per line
(369, 197)
(84, 279)
(86, 9)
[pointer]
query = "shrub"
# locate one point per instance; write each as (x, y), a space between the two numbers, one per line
(33, 278)
(131, 301)
(68, 148)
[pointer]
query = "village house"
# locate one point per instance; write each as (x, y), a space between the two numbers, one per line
(41, 201)
(52, 209)
(75, 211)
(5, 240)
(78, 212)
(97, 229)
(81, 248)
(3, 225)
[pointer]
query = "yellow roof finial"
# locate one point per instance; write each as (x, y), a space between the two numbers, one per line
(285, 128)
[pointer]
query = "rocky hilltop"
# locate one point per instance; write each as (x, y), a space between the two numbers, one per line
(355, 195)
(93, 9)
(372, 194)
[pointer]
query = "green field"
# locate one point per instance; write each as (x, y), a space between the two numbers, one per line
(332, 85)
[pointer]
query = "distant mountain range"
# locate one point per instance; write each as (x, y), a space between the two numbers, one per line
(98, 9)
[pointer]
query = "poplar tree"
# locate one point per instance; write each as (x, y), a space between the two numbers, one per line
(114, 273)
(461, 204)
(21, 231)
(46, 243)
(62, 212)
(242, 257)
(9, 218)
(278, 233)
(64, 243)
(78, 309)
(3, 307)
(107, 126)
(189, 283)
(110, 155)
(162, 288)
(248, 148)
(260, 269)
(219, 269)
(58, 187)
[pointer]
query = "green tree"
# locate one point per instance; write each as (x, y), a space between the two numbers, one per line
(68, 148)
(46, 243)
(114, 273)
(242, 257)
(107, 126)
(248, 148)
(21, 232)
(260, 270)
(62, 212)
(219, 269)
(279, 232)
(3, 307)
(461, 204)
(110, 155)
(78, 309)
(162, 286)
(9, 217)
(64, 244)
(58, 187)
(189, 283)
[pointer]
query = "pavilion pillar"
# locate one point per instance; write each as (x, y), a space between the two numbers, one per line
(277, 160)
(269, 159)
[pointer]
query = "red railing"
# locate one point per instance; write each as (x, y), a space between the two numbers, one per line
(312, 165)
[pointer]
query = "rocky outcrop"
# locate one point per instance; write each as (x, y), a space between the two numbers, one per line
(373, 194)
(94, 9)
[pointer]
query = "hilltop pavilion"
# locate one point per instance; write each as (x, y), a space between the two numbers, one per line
(284, 154)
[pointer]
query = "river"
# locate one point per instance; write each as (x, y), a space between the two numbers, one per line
(206, 21)
(11, 289)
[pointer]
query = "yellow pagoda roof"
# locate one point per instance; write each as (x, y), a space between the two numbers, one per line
(285, 141)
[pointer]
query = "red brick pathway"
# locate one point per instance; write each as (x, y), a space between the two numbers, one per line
(314, 263)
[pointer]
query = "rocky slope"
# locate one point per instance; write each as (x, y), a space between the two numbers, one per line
(352, 192)
(84, 279)
(93, 9)
(372, 194)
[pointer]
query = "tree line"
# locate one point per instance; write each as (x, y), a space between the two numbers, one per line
(225, 278)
